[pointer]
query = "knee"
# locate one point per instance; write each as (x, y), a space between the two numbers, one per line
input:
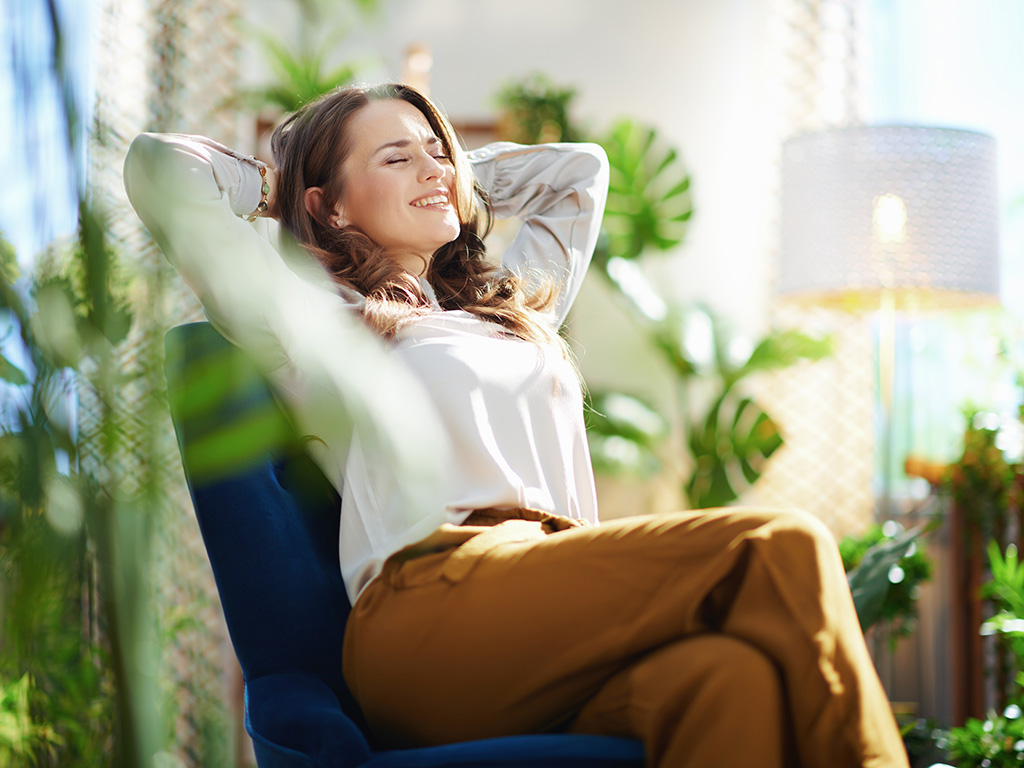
(795, 528)
(795, 522)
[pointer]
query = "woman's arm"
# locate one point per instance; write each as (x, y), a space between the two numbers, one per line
(190, 194)
(559, 192)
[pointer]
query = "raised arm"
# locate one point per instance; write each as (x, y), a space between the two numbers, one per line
(559, 192)
(190, 193)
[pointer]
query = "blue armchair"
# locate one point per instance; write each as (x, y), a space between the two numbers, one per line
(269, 521)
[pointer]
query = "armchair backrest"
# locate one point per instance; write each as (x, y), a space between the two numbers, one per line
(268, 517)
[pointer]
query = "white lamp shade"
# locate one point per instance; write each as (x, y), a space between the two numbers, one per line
(905, 211)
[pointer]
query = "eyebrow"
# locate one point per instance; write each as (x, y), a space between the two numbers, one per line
(402, 143)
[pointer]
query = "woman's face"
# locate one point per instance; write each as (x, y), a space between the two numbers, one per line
(399, 187)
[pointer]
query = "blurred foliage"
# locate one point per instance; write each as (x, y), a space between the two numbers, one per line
(303, 72)
(49, 650)
(536, 111)
(981, 482)
(987, 488)
(73, 540)
(202, 377)
(624, 433)
(998, 740)
(48, 633)
(995, 742)
(1005, 589)
(885, 569)
(735, 436)
(727, 435)
(649, 204)
(20, 737)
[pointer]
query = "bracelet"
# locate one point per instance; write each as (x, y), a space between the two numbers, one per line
(261, 208)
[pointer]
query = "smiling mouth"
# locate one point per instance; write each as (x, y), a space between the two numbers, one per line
(433, 200)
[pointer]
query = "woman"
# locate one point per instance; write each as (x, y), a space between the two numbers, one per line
(492, 603)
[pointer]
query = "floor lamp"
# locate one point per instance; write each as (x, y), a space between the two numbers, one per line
(886, 219)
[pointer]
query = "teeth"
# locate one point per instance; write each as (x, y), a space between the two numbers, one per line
(435, 200)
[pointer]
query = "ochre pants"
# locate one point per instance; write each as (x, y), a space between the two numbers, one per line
(720, 638)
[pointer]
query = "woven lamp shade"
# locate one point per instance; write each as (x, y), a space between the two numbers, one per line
(903, 216)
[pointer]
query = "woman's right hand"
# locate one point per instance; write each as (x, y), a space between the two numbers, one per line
(272, 195)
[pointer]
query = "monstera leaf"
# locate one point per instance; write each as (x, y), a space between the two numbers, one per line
(649, 203)
(730, 450)
(781, 349)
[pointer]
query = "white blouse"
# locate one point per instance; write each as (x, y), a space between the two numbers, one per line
(454, 415)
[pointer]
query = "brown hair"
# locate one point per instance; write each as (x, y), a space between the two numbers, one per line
(309, 149)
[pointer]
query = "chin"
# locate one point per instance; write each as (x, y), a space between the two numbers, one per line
(442, 238)
(450, 236)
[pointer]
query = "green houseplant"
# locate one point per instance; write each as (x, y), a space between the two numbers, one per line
(727, 435)
(998, 740)
(73, 540)
(302, 72)
(886, 568)
(535, 110)
(52, 658)
(987, 486)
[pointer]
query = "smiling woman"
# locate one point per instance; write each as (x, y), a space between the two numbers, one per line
(490, 602)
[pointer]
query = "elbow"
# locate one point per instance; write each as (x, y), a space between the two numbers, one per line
(164, 171)
(140, 164)
(591, 166)
(595, 158)
(594, 151)
(593, 163)
(141, 153)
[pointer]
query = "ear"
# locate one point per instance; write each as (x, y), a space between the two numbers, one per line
(314, 197)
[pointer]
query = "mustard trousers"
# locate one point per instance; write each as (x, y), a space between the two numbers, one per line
(718, 637)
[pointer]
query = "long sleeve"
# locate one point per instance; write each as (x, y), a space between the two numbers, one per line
(558, 191)
(190, 196)
(333, 373)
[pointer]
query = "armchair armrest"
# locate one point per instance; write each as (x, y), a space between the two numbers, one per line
(295, 721)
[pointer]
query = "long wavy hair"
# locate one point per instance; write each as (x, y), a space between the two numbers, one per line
(309, 149)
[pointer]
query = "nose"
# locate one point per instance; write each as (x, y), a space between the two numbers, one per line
(432, 168)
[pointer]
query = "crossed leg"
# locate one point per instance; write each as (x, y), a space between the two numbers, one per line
(687, 699)
(512, 632)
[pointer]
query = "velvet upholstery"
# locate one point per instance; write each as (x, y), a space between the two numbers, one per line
(269, 521)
